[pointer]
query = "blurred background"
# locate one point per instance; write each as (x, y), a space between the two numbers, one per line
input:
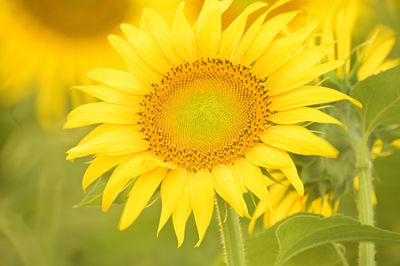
(38, 189)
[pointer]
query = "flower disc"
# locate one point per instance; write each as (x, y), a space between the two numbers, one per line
(205, 113)
(67, 17)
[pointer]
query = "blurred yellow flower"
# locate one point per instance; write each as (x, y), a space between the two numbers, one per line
(201, 110)
(46, 46)
(339, 26)
(287, 202)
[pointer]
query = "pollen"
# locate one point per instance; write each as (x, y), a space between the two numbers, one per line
(205, 113)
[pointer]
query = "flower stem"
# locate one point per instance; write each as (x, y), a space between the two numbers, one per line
(231, 234)
(365, 206)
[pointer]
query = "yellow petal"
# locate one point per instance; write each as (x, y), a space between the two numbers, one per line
(125, 172)
(303, 114)
(101, 112)
(99, 166)
(293, 176)
(119, 141)
(181, 214)
(208, 29)
(388, 64)
(98, 131)
(253, 179)
(282, 50)
(171, 190)
(298, 140)
(269, 157)
(146, 48)
(111, 95)
(224, 5)
(300, 69)
(183, 37)
(344, 28)
(226, 185)
(396, 143)
(381, 44)
(142, 72)
(153, 24)
(308, 95)
(118, 79)
(264, 37)
(251, 33)
(238, 178)
(231, 36)
(261, 208)
(202, 200)
(301, 78)
(140, 195)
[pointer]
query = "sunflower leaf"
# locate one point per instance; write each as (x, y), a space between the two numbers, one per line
(299, 237)
(380, 96)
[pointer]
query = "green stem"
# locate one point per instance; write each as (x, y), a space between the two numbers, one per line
(365, 206)
(231, 234)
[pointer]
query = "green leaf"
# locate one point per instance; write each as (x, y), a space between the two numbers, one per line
(325, 255)
(380, 96)
(285, 242)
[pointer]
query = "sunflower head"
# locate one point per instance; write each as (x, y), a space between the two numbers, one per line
(204, 110)
(50, 45)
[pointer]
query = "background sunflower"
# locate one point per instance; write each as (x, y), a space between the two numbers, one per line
(48, 46)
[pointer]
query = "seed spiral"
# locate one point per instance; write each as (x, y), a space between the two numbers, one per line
(205, 113)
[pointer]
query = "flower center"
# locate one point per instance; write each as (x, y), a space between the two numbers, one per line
(78, 18)
(205, 113)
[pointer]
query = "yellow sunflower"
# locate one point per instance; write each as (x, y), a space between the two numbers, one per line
(339, 26)
(201, 110)
(46, 46)
(287, 202)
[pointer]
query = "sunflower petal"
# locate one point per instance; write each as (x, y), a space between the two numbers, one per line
(119, 141)
(293, 176)
(146, 48)
(308, 95)
(208, 29)
(226, 185)
(141, 71)
(99, 166)
(251, 33)
(261, 209)
(231, 36)
(264, 37)
(183, 37)
(253, 179)
(111, 95)
(298, 140)
(281, 51)
(101, 112)
(118, 79)
(124, 173)
(202, 200)
(303, 114)
(154, 24)
(140, 195)
(181, 214)
(171, 190)
(269, 157)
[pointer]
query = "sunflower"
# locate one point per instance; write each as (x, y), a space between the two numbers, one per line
(49, 45)
(373, 55)
(287, 202)
(202, 110)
